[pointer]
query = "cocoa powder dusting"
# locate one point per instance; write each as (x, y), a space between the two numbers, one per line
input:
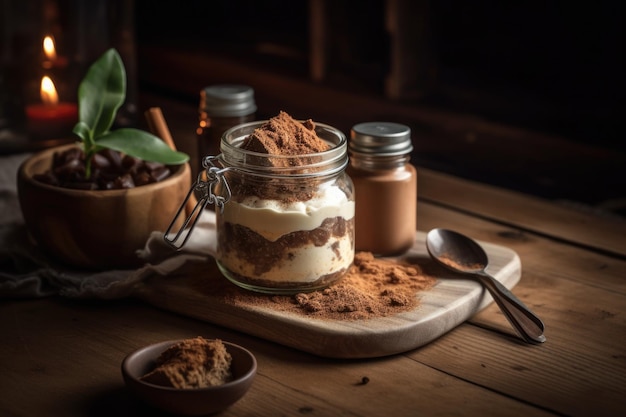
(286, 144)
(373, 287)
(283, 135)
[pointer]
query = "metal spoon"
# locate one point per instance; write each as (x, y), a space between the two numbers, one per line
(462, 254)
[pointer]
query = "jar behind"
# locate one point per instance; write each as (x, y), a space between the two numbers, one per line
(289, 224)
(221, 107)
(385, 186)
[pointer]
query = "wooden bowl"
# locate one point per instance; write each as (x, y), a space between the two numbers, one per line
(191, 401)
(99, 229)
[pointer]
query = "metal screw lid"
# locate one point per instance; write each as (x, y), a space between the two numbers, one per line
(383, 138)
(227, 100)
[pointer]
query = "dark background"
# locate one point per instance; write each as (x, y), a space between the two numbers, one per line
(552, 66)
(525, 95)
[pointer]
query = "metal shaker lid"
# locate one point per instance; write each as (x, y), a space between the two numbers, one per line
(227, 100)
(383, 138)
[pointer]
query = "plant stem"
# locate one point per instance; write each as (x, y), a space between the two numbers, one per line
(88, 158)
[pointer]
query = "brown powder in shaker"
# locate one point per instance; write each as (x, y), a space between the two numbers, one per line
(386, 206)
(385, 187)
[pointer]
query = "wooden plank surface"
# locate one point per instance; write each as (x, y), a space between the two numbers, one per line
(62, 358)
(580, 296)
(450, 302)
(538, 215)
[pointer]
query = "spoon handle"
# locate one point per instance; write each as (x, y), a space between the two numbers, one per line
(529, 326)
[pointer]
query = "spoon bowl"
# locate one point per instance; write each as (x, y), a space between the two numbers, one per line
(462, 254)
(456, 251)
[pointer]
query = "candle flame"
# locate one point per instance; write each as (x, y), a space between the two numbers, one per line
(49, 49)
(49, 94)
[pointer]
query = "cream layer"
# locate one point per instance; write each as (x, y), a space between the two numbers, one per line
(273, 219)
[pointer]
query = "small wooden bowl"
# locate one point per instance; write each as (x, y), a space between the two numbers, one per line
(100, 229)
(192, 401)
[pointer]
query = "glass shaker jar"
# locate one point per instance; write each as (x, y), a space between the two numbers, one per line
(285, 223)
(385, 186)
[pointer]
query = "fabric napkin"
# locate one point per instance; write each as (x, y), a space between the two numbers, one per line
(27, 272)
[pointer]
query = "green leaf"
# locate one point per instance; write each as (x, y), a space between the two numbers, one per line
(143, 145)
(82, 131)
(101, 93)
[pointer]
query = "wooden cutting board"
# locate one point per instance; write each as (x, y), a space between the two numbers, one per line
(449, 303)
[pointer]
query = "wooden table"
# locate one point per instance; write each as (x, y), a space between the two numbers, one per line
(60, 357)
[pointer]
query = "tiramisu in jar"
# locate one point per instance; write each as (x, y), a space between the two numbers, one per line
(288, 225)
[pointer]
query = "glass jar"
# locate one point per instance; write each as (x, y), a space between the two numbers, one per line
(221, 107)
(286, 224)
(385, 186)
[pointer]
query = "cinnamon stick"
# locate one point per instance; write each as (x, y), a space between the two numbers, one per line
(158, 127)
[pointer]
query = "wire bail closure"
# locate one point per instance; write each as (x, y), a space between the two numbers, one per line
(205, 190)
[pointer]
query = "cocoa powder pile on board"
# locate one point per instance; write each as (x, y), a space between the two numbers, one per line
(373, 287)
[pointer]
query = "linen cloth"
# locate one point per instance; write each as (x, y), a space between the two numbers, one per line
(27, 272)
